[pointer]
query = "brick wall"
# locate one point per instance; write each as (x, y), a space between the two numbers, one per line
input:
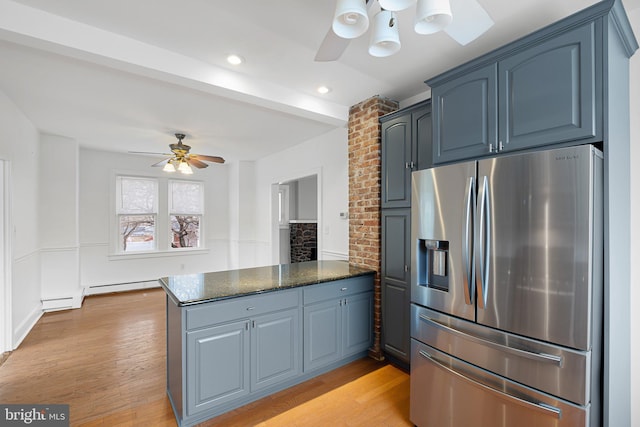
(364, 194)
(303, 241)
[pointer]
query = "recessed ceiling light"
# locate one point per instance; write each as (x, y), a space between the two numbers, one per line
(235, 59)
(323, 90)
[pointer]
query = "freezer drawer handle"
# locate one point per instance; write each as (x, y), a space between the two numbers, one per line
(542, 357)
(537, 406)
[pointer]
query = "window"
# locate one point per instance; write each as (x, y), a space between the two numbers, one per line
(156, 214)
(185, 213)
(137, 209)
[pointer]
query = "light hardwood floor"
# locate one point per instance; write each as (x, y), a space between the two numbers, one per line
(107, 361)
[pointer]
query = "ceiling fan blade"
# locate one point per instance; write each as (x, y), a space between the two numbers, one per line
(214, 159)
(332, 47)
(149, 152)
(470, 21)
(162, 163)
(197, 163)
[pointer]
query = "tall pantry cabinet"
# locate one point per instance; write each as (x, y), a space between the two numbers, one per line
(406, 147)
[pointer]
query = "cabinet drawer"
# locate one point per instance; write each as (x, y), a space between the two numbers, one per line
(337, 289)
(239, 308)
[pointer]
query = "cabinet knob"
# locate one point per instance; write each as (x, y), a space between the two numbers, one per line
(343, 289)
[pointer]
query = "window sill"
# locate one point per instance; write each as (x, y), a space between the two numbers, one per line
(158, 254)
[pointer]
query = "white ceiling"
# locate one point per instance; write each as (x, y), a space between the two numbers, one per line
(126, 75)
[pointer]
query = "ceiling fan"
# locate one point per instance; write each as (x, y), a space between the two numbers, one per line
(462, 20)
(180, 159)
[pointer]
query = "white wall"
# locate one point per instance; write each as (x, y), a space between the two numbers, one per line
(634, 17)
(326, 154)
(59, 244)
(19, 145)
(245, 250)
(98, 265)
(307, 200)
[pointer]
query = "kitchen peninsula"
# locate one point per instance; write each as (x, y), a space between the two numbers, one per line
(236, 336)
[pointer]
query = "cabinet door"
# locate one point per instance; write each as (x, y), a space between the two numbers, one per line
(465, 116)
(547, 92)
(422, 133)
(322, 343)
(396, 233)
(396, 161)
(357, 323)
(217, 365)
(275, 348)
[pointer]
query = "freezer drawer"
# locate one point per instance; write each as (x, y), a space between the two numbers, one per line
(559, 371)
(446, 391)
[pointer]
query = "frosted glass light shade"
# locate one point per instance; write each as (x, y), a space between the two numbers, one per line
(432, 16)
(396, 5)
(351, 19)
(385, 38)
(169, 167)
(185, 168)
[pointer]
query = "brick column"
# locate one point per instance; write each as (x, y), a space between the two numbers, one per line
(364, 195)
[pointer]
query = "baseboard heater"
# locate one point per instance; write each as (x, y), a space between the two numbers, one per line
(121, 287)
(53, 304)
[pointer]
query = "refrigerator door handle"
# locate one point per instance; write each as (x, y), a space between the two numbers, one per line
(541, 357)
(483, 242)
(536, 406)
(467, 240)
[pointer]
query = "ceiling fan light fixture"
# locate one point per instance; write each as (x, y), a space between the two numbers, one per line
(350, 19)
(396, 5)
(385, 37)
(169, 168)
(432, 16)
(184, 168)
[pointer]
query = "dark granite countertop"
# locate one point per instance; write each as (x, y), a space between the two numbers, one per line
(207, 287)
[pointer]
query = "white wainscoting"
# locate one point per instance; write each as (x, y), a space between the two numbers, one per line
(60, 278)
(26, 307)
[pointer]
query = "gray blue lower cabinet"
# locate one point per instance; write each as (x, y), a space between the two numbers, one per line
(338, 321)
(225, 354)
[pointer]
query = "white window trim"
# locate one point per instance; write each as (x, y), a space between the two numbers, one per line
(163, 242)
(283, 199)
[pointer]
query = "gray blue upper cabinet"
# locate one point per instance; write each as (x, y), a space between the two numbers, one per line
(547, 92)
(406, 146)
(544, 89)
(465, 115)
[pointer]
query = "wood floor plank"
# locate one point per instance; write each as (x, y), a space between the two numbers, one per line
(107, 361)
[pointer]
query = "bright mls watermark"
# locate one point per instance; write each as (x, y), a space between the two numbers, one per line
(34, 415)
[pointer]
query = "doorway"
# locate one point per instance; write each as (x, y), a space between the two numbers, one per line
(296, 219)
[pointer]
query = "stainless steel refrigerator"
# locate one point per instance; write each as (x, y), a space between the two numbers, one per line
(507, 288)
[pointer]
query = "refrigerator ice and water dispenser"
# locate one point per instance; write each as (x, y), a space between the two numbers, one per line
(433, 264)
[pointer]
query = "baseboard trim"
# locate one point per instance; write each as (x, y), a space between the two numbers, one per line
(21, 332)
